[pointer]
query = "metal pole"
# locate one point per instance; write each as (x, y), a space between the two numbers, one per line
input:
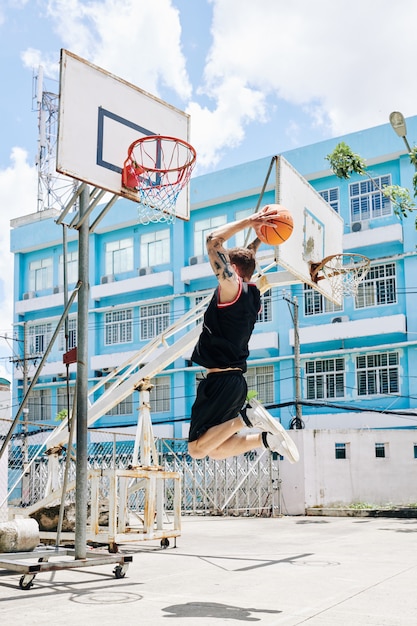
(298, 413)
(82, 384)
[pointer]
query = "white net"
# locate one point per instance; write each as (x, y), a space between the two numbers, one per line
(344, 273)
(158, 168)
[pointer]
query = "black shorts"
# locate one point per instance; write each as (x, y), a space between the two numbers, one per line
(219, 399)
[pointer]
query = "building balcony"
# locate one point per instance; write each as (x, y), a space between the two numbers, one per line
(344, 328)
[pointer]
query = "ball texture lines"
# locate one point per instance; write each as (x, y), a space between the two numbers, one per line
(278, 228)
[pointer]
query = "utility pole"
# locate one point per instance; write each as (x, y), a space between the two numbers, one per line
(297, 368)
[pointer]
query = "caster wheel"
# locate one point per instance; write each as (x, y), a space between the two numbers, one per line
(119, 572)
(164, 543)
(25, 582)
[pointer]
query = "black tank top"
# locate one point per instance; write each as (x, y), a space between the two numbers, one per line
(227, 328)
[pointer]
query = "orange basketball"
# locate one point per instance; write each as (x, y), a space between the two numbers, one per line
(279, 226)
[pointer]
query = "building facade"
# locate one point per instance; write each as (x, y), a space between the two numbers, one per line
(356, 360)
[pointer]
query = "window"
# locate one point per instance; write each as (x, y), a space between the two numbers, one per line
(39, 338)
(155, 248)
(325, 379)
(415, 450)
(154, 319)
(332, 197)
(240, 237)
(315, 302)
(40, 274)
(265, 314)
(119, 256)
(125, 407)
(72, 335)
(118, 327)
(380, 451)
(39, 405)
(62, 398)
(203, 228)
(378, 287)
(377, 373)
(160, 395)
(261, 380)
(367, 201)
(341, 450)
(72, 268)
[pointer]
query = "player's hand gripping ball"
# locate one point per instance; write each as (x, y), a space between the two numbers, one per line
(278, 228)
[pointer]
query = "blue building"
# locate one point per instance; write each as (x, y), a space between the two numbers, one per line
(357, 361)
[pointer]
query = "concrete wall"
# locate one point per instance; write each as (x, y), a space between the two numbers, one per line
(319, 479)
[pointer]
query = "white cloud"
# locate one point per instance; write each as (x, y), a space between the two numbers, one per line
(138, 41)
(345, 63)
(18, 192)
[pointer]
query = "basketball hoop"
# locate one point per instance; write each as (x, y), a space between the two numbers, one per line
(343, 271)
(158, 168)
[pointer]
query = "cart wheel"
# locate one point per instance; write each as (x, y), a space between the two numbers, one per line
(164, 543)
(119, 571)
(26, 582)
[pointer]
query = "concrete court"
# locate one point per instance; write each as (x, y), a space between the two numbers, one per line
(324, 571)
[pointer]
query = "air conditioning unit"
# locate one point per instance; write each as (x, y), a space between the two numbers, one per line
(107, 279)
(28, 295)
(62, 375)
(340, 318)
(107, 370)
(144, 271)
(358, 226)
(57, 289)
(196, 260)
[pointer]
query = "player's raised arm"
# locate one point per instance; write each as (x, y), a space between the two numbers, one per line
(223, 269)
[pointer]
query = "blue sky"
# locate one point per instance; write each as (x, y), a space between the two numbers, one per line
(257, 78)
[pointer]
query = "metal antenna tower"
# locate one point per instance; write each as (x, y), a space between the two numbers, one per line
(54, 190)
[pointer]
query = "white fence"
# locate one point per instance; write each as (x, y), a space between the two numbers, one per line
(336, 467)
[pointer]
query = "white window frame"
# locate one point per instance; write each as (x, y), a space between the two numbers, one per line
(118, 327)
(40, 274)
(61, 398)
(379, 287)
(119, 256)
(72, 268)
(332, 197)
(325, 378)
(366, 199)
(154, 319)
(155, 248)
(160, 394)
(316, 304)
(39, 336)
(39, 405)
(261, 380)
(265, 313)
(378, 374)
(72, 335)
(202, 228)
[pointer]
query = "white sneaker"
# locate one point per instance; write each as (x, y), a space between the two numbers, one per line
(283, 444)
(259, 417)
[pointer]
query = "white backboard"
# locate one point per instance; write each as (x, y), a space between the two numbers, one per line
(318, 229)
(100, 115)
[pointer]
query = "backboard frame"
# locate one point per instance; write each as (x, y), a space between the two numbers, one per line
(317, 232)
(99, 116)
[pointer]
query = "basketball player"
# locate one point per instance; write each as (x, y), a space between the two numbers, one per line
(218, 414)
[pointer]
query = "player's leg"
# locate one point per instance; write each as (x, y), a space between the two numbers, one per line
(256, 416)
(214, 437)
